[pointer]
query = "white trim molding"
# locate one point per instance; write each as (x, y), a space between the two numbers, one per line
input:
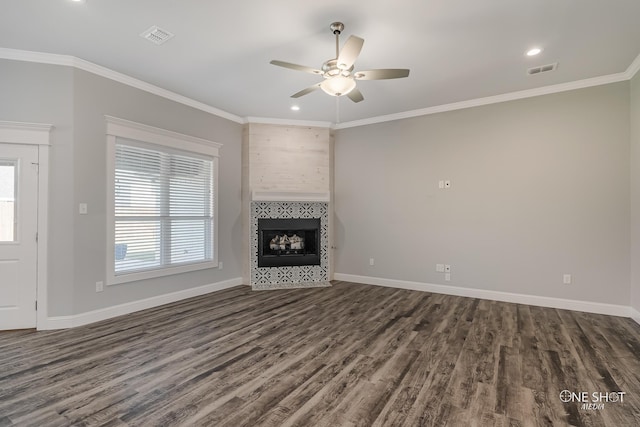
(633, 69)
(565, 304)
(290, 196)
(287, 122)
(81, 64)
(71, 61)
(63, 322)
(635, 315)
(36, 134)
(511, 96)
(628, 74)
(25, 133)
(141, 132)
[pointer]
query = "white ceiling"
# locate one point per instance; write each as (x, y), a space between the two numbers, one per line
(457, 50)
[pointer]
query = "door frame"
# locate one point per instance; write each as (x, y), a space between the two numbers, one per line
(40, 135)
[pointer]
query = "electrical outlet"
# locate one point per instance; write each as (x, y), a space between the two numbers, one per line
(447, 277)
(220, 265)
(440, 268)
(566, 279)
(99, 286)
(441, 184)
(371, 261)
(82, 208)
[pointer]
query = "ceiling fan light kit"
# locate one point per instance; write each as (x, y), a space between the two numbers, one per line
(339, 77)
(338, 85)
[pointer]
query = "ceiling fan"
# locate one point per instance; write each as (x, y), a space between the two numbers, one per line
(339, 77)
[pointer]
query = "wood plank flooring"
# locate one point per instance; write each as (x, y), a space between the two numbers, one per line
(349, 355)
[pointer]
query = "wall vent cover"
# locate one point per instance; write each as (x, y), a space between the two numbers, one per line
(542, 69)
(157, 35)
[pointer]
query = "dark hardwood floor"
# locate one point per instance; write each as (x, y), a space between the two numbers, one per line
(349, 355)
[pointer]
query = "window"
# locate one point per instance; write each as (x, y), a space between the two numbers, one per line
(8, 206)
(162, 202)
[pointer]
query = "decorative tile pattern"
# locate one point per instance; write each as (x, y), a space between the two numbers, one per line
(289, 277)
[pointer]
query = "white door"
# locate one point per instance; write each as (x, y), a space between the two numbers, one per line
(18, 234)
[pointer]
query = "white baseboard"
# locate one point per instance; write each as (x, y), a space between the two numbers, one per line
(63, 322)
(566, 304)
(635, 315)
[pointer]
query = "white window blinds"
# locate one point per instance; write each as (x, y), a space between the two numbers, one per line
(164, 208)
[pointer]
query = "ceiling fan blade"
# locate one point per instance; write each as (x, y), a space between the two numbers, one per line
(306, 91)
(388, 73)
(295, 67)
(355, 95)
(349, 52)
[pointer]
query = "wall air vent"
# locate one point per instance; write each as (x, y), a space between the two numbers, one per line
(542, 69)
(157, 35)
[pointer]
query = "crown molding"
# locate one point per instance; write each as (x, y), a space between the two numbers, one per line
(512, 96)
(71, 61)
(633, 68)
(81, 64)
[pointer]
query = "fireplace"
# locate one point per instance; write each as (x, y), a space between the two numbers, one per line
(287, 242)
(299, 260)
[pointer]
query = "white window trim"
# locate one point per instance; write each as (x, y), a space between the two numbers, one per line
(120, 128)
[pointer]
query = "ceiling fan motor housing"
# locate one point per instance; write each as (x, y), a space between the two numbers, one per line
(331, 69)
(337, 27)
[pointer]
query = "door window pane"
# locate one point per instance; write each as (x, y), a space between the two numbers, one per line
(8, 205)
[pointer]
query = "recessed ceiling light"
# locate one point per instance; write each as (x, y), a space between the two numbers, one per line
(295, 108)
(534, 51)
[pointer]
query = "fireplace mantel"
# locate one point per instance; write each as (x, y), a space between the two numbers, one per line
(289, 196)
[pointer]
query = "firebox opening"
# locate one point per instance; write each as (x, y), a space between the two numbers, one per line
(288, 242)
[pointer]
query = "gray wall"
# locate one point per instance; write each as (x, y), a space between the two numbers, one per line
(41, 93)
(540, 187)
(635, 192)
(75, 102)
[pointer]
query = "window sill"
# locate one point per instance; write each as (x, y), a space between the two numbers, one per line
(151, 274)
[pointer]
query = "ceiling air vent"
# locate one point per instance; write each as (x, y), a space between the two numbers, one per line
(542, 69)
(157, 35)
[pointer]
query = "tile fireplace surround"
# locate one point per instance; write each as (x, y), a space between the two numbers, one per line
(307, 276)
